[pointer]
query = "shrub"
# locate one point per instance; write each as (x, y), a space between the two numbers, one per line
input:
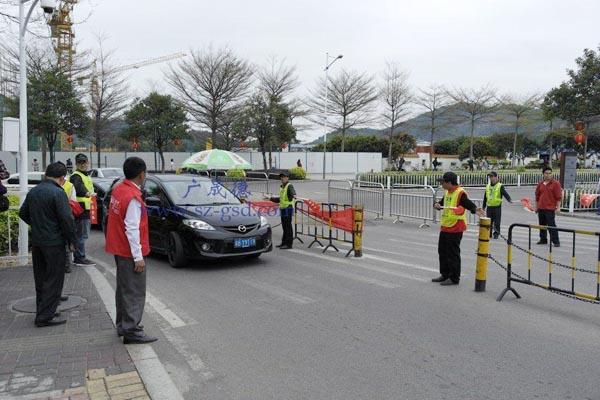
(297, 173)
(520, 169)
(14, 227)
(236, 173)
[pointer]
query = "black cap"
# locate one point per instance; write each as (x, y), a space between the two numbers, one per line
(449, 177)
(80, 158)
(283, 173)
(493, 173)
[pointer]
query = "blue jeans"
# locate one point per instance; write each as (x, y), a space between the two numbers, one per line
(83, 230)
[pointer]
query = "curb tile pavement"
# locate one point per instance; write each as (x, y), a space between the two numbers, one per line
(82, 359)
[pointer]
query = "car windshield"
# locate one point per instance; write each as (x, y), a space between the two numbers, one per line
(199, 192)
(112, 173)
(104, 185)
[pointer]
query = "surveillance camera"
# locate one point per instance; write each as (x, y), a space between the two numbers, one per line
(48, 6)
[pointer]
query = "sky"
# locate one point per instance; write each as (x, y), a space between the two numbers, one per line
(518, 46)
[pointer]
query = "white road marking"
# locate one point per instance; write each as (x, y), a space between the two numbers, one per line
(409, 265)
(415, 243)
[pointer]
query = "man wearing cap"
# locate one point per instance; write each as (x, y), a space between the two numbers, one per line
(84, 190)
(46, 209)
(287, 194)
(452, 225)
(492, 202)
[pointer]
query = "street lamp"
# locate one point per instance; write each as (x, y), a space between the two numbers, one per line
(48, 6)
(327, 65)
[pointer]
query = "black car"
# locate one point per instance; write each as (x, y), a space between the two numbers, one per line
(101, 187)
(192, 218)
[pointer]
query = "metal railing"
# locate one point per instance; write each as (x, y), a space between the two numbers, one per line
(369, 195)
(244, 186)
(413, 201)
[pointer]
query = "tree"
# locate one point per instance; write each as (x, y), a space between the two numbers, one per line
(277, 80)
(475, 149)
(158, 119)
(351, 98)
(475, 105)
(210, 84)
(517, 108)
(436, 103)
(268, 121)
(395, 96)
(402, 143)
(106, 98)
(53, 107)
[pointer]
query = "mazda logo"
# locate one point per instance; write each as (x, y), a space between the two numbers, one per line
(242, 228)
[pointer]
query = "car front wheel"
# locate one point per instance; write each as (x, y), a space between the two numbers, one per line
(175, 251)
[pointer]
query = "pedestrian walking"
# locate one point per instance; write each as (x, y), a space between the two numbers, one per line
(127, 238)
(470, 162)
(435, 164)
(492, 202)
(84, 189)
(36, 165)
(548, 195)
(299, 163)
(452, 225)
(46, 209)
(69, 166)
(287, 195)
(172, 165)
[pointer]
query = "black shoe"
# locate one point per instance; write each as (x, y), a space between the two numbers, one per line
(64, 298)
(280, 245)
(140, 328)
(286, 247)
(51, 322)
(67, 269)
(448, 282)
(542, 242)
(440, 278)
(85, 263)
(138, 339)
(556, 244)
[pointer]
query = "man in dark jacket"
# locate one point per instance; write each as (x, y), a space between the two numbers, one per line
(46, 209)
(287, 196)
(84, 190)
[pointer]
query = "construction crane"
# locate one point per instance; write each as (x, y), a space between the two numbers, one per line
(62, 34)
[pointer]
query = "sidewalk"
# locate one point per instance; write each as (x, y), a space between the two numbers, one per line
(83, 359)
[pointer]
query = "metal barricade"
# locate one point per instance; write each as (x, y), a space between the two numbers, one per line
(339, 192)
(556, 282)
(413, 201)
(370, 196)
(242, 187)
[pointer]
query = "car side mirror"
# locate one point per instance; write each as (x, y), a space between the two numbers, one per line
(153, 201)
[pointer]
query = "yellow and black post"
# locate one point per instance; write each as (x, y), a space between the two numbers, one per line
(357, 234)
(482, 253)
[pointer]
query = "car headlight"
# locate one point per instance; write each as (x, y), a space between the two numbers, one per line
(263, 221)
(199, 225)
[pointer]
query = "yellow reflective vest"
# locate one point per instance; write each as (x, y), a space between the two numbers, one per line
(449, 219)
(284, 201)
(493, 194)
(67, 188)
(89, 185)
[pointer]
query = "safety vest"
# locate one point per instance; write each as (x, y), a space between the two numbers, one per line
(89, 185)
(449, 219)
(284, 202)
(493, 194)
(67, 188)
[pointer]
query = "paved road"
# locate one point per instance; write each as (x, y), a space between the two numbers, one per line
(301, 324)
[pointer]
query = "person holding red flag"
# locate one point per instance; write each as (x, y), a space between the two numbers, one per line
(452, 225)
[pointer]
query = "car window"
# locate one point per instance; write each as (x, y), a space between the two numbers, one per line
(151, 188)
(94, 173)
(199, 192)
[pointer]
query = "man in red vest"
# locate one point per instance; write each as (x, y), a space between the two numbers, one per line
(127, 238)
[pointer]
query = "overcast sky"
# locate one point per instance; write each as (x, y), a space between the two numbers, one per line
(519, 46)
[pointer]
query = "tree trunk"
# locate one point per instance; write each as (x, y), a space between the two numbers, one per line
(472, 138)
(390, 147)
(514, 154)
(162, 159)
(44, 149)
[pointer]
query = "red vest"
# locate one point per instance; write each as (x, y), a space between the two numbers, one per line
(116, 240)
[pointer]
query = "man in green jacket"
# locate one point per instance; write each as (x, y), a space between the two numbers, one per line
(46, 209)
(492, 202)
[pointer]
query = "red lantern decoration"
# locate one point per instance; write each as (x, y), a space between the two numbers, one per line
(244, 144)
(69, 138)
(176, 142)
(283, 145)
(134, 146)
(579, 138)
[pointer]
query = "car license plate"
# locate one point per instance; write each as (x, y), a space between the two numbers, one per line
(241, 243)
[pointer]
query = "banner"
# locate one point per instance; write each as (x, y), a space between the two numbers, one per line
(93, 211)
(341, 219)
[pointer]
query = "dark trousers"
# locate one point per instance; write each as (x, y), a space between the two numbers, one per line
(49, 276)
(130, 296)
(286, 224)
(449, 252)
(546, 217)
(495, 214)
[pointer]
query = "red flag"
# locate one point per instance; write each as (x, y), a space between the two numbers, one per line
(527, 204)
(588, 199)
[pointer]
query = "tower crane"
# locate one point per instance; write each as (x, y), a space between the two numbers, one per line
(62, 34)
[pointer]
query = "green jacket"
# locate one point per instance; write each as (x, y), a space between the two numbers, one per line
(46, 209)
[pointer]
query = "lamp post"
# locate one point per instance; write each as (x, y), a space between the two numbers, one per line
(48, 6)
(327, 65)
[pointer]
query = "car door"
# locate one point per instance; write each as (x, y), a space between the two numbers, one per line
(155, 213)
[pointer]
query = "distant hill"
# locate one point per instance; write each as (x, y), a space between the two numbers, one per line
(452, 127)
